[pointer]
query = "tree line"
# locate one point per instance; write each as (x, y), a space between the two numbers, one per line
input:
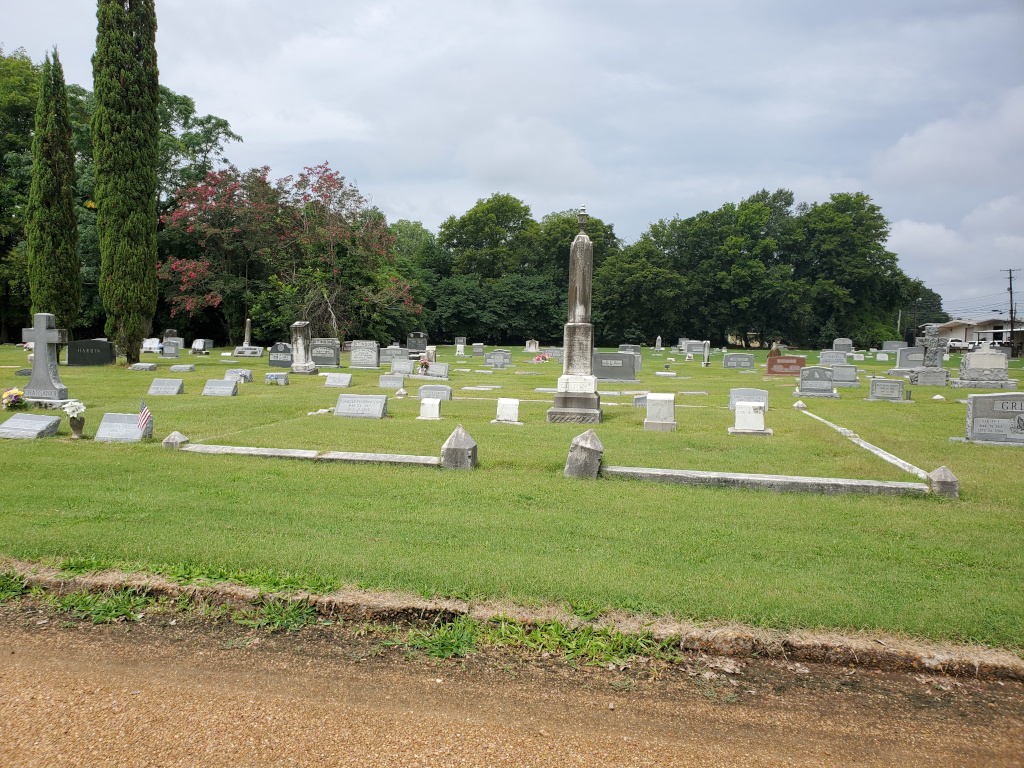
(120, 214)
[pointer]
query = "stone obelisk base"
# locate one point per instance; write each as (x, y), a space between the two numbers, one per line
(576, 408)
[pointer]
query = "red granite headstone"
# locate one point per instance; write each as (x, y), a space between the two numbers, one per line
(785, 365)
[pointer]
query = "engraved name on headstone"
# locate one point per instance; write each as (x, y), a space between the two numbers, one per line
(885, 389)
(749, 395)
(220, 388)
(362, 406)
(167, 387)
(326, 352)
(996, 418)
(121, 428)
(737, 360)
(365, 354)
(45, 383)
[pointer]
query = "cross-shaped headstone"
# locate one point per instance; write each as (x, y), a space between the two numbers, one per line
(45, 383)
(933, 347)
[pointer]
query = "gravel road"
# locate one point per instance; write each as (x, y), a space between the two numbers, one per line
(202, 692)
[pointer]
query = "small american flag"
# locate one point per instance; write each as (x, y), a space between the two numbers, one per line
(145, 417)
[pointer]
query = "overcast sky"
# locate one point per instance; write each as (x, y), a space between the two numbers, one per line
(642, 110)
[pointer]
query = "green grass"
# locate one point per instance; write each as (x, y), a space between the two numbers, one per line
(515, 528)
(103, 608)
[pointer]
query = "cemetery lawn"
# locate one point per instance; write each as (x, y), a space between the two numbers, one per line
(515, 528)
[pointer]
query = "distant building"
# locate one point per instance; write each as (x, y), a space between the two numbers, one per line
(992, 329)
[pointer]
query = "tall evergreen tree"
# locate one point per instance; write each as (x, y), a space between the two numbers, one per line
(51, 229)
(125, 130)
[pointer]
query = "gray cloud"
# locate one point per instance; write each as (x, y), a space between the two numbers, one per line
(643, 110)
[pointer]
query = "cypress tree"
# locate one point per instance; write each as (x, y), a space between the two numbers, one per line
(125, 129)
(54, 270)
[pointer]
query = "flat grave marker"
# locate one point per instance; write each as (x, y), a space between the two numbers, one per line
(220, 388)
(122, 428)
(29, 426)
(167, 387)
(338, 381)
(362, 406)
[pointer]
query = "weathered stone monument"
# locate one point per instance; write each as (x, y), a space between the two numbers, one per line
(45, 387)
(842, 345)
(430, 409)
(661, 412)
(749, 419)
(532, 347)
(576, 400)
(167, 387)
(338, 380)
(508, 411)
(845, 375)
(747, 395)
(29, 426)
(122, 428)
(785, 365)
(737, 360)
(302, 360)
(280, 355)
(885, 389)
(365, 355)
(326, 352)
(657, 345)
(981, 369)
(417, 342)
(996, 418)
(831, 357)
(91, 352)
(362, 406)
(247, 349)
(815, 381)
(614, 366)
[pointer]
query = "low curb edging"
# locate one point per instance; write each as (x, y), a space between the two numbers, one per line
(865, 650)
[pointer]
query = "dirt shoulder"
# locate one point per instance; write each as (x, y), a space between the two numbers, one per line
(194, 690)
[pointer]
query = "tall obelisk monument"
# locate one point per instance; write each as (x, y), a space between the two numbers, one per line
(577, 400)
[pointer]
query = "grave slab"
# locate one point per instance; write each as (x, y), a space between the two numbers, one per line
(220, 388)
(29, 426)
(361, 406)
(166, 387)
(122, 428)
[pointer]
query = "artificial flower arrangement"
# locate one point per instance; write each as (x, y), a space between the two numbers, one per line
(13, 398)
(543, 357)
(424, 365)
(74, 408)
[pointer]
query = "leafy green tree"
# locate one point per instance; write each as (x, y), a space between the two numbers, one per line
(19, 96)
(637, 297)
(922, 304)
(495, 237)
(125, 134)
(190, 145)
(51, 228)
(853, 280)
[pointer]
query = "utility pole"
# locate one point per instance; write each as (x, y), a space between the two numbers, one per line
(1010, 289)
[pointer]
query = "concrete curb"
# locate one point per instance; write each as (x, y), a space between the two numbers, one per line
(873, 650)
(831, 486)
(294, 453)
